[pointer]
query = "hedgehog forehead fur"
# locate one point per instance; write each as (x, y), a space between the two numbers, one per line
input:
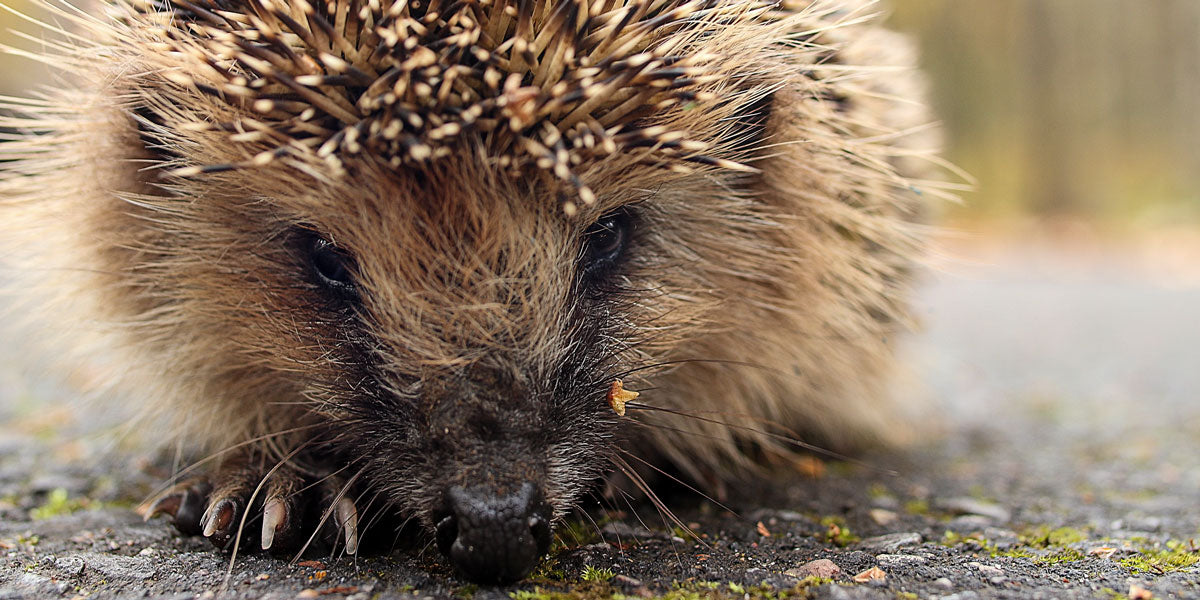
(568, 90)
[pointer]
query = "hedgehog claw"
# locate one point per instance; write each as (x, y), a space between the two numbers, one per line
(184, 503)
(219, 519)
(274, 520)
(346, 516)
(166, 504)
(222, 507)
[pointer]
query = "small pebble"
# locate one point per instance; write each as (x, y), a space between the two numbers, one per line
(944, 583)
(822, 567)
(967, 595)
(1004, 539)
(991, 571)
(971, 506)
(891, 542)
(900, 560)
(629, 584)
(970, 523)
(883, 516)
(71, 565)
(887, 502)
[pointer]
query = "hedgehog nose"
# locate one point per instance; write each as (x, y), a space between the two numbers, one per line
(494, 538)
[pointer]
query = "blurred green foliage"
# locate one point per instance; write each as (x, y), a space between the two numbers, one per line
(1068, 107)
(1058, 107)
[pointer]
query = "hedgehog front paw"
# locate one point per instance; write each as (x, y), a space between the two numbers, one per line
(275, 510)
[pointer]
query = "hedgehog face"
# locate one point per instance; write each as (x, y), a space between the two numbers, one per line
(477, 343)
(452, 330)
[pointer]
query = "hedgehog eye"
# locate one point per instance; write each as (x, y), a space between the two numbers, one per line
(332, 265)
(604, 243)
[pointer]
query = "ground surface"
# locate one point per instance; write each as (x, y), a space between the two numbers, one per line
(1069, 467)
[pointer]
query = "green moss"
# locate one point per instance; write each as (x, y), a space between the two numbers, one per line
(952, 538)
(837, 532)
(548, 571)
(1044, 537)
(572, 533)
(58, 503)
(1175, 557)
(536, 593)
(979, 493)
(916, 507)
(1062, 556)
(814, 581)
(1010, 553)
(466, 592)
(594, 574)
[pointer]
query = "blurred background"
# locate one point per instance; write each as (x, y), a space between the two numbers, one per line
(1062, 109)
(1068, 108)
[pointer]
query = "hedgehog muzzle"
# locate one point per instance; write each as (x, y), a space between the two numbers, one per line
(490, 537)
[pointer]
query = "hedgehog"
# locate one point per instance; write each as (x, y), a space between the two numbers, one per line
(373, 259)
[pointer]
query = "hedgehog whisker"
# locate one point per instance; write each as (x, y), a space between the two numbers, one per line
(791, 441)
(663, 509)
(664, 513)
(666, 474)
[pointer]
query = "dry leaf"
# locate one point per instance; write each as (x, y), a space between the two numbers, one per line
(1103, 551)
(618, 396)
(1137, 592)
(872, 574)
(762, 529)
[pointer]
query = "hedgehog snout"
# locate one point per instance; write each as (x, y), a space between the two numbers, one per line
(493, 537)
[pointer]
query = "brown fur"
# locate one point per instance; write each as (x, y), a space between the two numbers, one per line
(763, 292)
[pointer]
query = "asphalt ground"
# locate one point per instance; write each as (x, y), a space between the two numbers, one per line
(1065, 464)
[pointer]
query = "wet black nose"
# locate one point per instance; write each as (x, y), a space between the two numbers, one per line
(494, 538)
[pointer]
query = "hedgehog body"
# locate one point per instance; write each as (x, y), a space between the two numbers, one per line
(392, 256)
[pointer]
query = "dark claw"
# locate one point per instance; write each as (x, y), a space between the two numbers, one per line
(221, 522)
(191, 508)
(166, 504)
(185, 504)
